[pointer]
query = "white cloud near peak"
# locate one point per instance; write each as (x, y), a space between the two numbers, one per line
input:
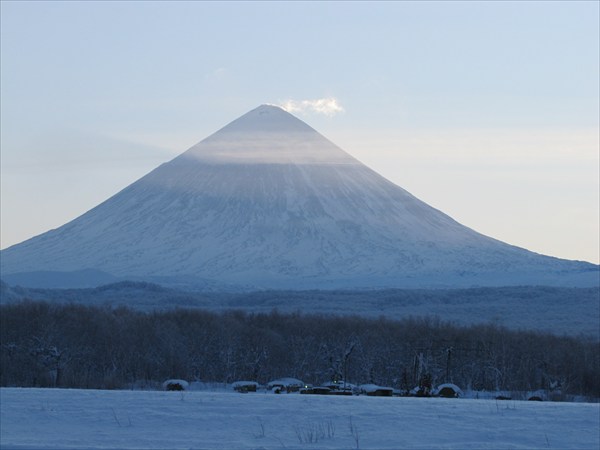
(328, 106)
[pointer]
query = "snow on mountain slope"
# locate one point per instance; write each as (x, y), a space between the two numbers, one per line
(268, 202)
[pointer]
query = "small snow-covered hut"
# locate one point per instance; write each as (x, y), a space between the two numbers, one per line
(175, 385)
(245, 386)
(376, 391)
(316, 390)
(448, 390)
(285, 384)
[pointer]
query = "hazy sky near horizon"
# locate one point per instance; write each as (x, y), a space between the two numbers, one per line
(488, 111)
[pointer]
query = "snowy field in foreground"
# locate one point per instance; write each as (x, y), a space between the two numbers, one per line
(89, 419)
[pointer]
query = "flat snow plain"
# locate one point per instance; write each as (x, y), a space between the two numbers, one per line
(92, 419)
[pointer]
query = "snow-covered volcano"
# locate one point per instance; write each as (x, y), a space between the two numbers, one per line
(268, 202)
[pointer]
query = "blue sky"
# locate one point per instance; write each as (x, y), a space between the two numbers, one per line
(488, 111)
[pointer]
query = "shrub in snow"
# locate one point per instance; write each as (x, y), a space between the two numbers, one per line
(424, 389)
(175, 385)
(419, 392)
(312, 433)
(245, 386)
(400, 393)
(537, 396)
(425, 386)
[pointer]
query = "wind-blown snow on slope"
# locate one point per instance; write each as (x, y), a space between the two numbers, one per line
(269, 202)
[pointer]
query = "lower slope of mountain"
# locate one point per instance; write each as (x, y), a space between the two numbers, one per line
(267, 202)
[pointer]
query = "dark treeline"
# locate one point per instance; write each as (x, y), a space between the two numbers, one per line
(102, 347)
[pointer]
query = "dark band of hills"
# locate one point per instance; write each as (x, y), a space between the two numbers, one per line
(557, 310)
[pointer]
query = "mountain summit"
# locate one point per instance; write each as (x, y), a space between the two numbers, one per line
(268, 135)
(268, 202)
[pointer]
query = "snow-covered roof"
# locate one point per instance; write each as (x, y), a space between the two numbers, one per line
(374, 388)
(285, 382)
